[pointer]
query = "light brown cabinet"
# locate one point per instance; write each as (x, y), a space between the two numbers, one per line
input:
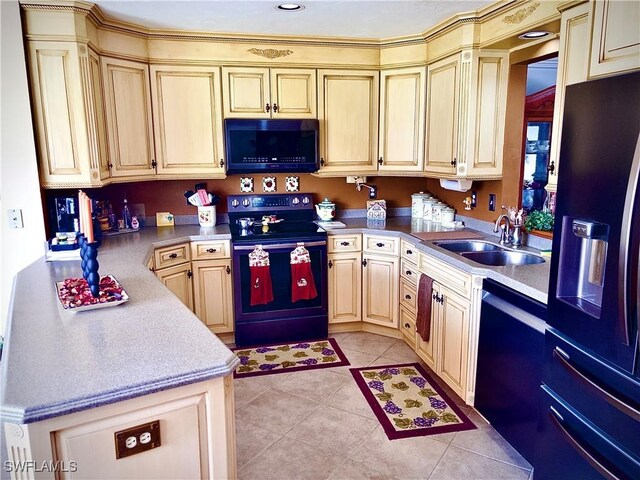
(187, 119)
(213, 295)
(348, 115)
(178, 280)
(129, 122)
(345, 287)
(269, 92)
(380, 290)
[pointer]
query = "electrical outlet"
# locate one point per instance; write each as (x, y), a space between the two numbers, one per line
(474, 199)
(373, 192)
(15, 218)
(137, 439)
(492, 202)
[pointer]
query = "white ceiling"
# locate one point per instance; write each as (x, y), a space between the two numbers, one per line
(347, 18)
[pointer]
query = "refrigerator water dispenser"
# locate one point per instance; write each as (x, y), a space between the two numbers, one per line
(581, 268)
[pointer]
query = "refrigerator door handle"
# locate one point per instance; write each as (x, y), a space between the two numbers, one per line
(594, 462)
(625, 243)
(565, 360)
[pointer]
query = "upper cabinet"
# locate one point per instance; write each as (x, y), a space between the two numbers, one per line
(187, 119)
(466, 106)
(402, 117)
(348, 116)
(69, 120)
(128, 108)
(269, 92)
(615, 43)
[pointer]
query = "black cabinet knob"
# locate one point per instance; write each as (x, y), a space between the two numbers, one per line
(173, 255)
(330, 264)
(211, 250)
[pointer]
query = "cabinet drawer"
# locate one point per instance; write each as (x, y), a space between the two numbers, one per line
(173, 255)
(456, 280)
(409, 271)
(381, 244)
(210, 250)
(409, 252)
(408, 326)
(408, 295)
(344, 243)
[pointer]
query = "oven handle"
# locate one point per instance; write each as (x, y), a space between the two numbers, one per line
(274, 246)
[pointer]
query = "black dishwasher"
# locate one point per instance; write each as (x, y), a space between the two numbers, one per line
(510, 358)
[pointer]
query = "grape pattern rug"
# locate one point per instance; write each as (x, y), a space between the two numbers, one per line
(408, 402)
(289, 357)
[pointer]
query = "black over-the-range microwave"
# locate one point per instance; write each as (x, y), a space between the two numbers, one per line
(265, 145)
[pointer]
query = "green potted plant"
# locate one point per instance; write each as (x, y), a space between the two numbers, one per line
(539, 222)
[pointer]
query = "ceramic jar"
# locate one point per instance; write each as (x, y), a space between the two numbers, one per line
(428, 204)
(417, 202)
(448, 215)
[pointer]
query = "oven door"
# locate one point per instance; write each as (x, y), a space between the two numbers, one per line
(282, 306)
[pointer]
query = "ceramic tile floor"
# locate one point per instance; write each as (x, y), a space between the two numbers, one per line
(317, 425)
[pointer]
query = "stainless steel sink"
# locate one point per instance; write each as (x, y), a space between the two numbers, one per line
(458, 246)
(503, 257)
(487, 253)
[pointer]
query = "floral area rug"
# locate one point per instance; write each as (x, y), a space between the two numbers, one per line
(408, 402)
(289, 357)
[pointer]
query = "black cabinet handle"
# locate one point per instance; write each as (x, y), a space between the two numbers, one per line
(364, 263)
(379, 244)
(211, 250)
(408, 272)
(228, 270)
(330, 264)
(221, 162)
(267, 108)
(110, 166)
(406, 325)
(409, 252)
(275, 107)
(454, 162)
(154, 164)
(408, 297)
(435, 297)
(189, 274)
(380, 161)
(552, 167)
(345, 244)
(173, 255)
(321, 161)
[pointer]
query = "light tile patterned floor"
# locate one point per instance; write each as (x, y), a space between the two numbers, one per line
(317, 425)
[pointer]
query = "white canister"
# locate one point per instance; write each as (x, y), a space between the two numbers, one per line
(417, 201)
(426, 208)
(436, 211)
(448, 215)
(207, 216)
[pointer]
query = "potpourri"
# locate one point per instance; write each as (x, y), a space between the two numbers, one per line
(74, 292)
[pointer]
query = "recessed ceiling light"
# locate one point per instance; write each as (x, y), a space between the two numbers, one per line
(290, 7)
(534, 34)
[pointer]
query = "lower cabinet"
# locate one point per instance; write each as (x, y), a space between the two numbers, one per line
(345, 287)
(380, 290)
(212, 291)
(178, 280)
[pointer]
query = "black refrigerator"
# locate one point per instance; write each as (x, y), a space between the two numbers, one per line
(590, 415)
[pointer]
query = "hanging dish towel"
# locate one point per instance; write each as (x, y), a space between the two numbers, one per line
(261, 289)
(302, 284)
(423, 317)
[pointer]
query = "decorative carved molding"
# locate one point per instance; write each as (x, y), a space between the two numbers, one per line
(16, 430)
(270, 53)
(521, 14)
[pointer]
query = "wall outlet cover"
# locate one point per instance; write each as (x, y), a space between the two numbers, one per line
(492, 202)
(15, 218)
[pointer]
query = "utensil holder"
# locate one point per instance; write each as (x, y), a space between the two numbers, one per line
(207, 216)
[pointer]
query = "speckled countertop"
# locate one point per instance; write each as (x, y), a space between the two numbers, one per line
(56, 362)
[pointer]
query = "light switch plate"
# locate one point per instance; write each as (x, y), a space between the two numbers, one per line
(15, 218)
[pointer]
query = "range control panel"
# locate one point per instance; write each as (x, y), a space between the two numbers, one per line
(264, 203)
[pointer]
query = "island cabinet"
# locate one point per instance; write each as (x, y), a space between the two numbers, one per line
(402, 117)
(465, 115)
(380, 289)
(344, 254)
(183, 432)
(187, 119)
(348, 116)
(615, 46)
(251, 92)
(66, 95)
(129, 120)
(451, 349)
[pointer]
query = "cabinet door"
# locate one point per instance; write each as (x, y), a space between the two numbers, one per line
(402, 117)
(128, 111)
(573, 65)
(380, 290)
(212, 291)
(454, 340)
(187, 119)
(97, 128)
(293, 93)
(345, 287)
(178, 280)
(246, 92)
(615, 44)
(348, 114)
(442, 115)
(428, 350)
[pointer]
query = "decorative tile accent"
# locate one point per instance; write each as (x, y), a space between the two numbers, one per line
(246, 184)
(292, 184)
(269, 184)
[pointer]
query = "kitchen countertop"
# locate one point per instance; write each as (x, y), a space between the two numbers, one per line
(57, 362)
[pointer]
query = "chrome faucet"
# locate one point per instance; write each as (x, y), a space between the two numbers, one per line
(505, 235)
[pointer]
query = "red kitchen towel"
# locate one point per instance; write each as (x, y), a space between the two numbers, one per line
(423, 320)
(303, 286)
(261, 288)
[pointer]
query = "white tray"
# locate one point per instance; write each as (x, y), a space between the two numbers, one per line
(125, 298)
